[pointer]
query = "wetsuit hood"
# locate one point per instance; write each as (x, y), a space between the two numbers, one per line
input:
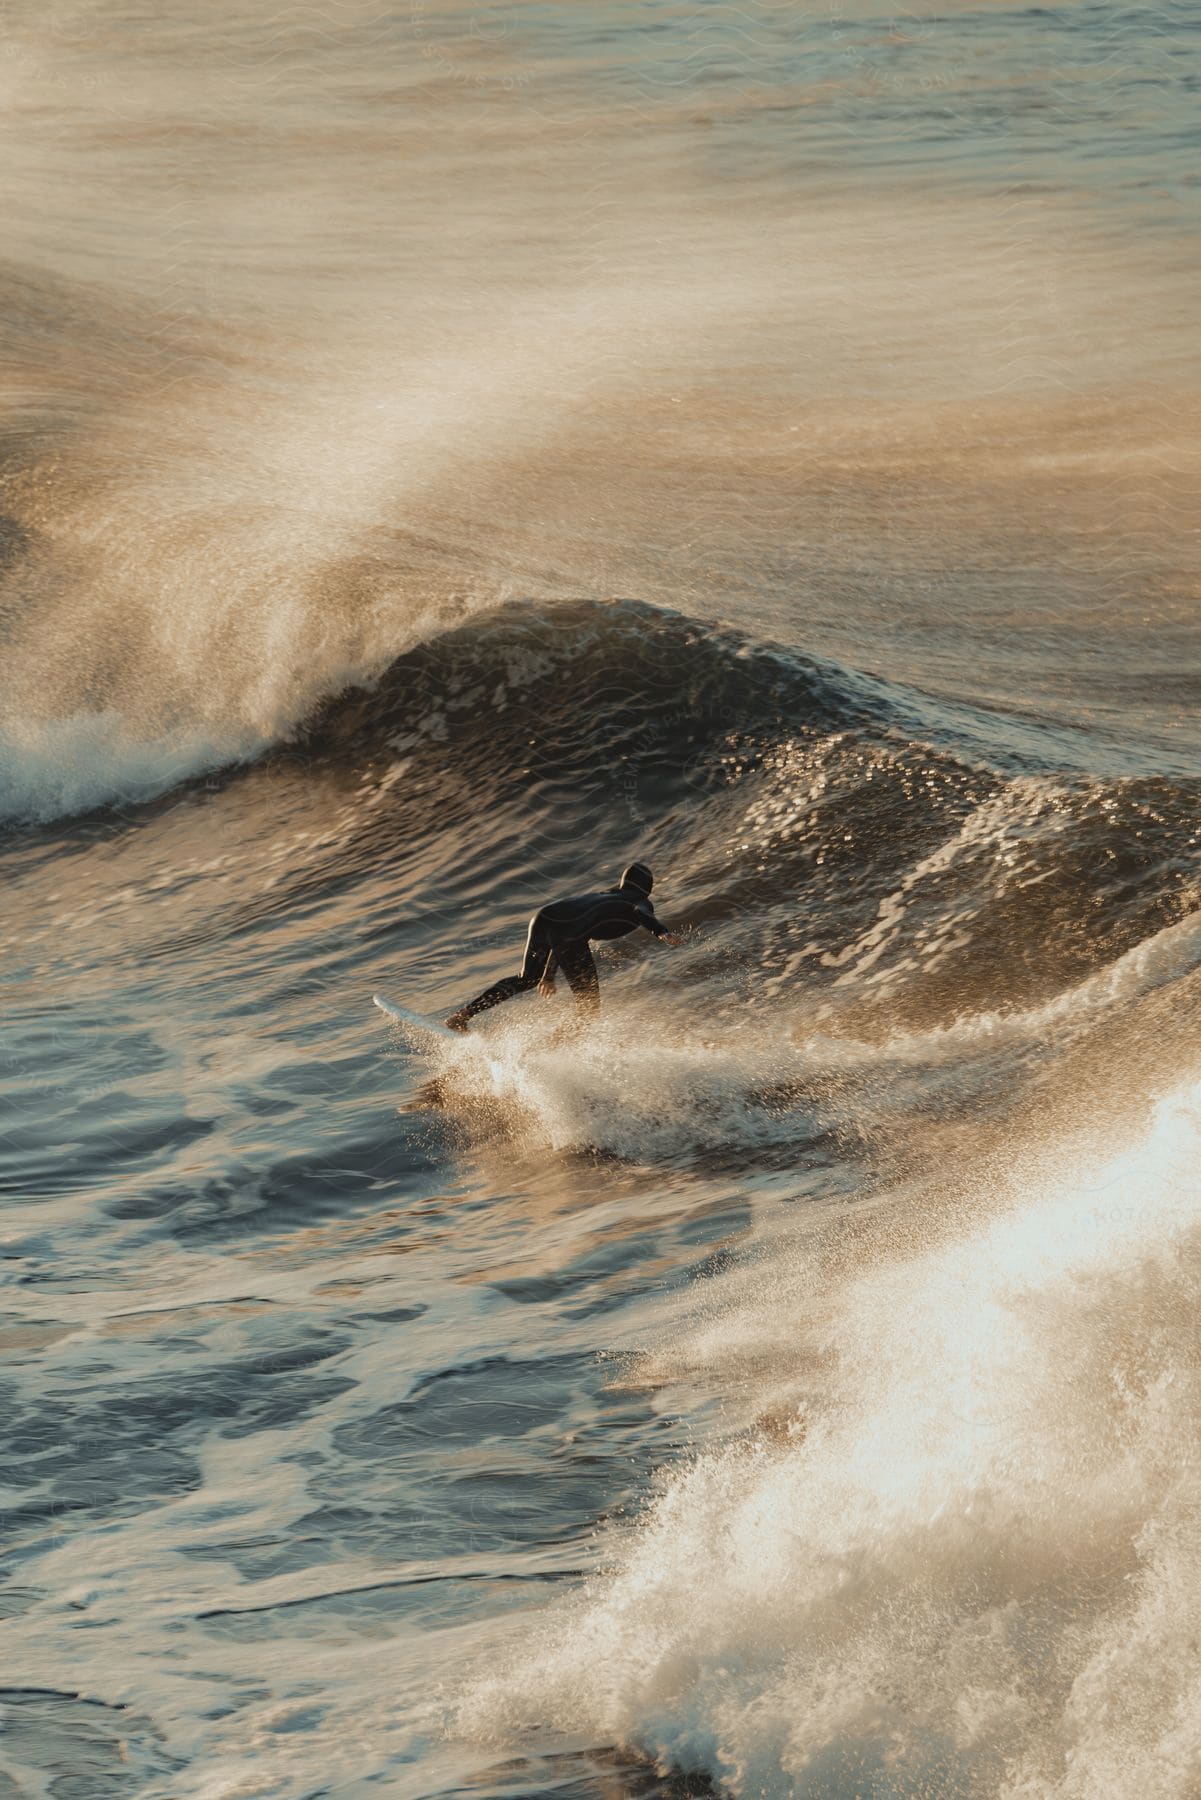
(637, 875)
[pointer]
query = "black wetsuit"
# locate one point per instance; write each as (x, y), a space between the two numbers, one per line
(559, 934)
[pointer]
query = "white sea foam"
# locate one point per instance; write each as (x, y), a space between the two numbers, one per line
(972, 1563)
(626, 1083)
(642, 1085)
(69, 765)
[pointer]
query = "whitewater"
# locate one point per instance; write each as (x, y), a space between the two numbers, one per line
(448, 452)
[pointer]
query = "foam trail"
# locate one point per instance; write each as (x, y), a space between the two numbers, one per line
(973, 1563)
(626, 1087)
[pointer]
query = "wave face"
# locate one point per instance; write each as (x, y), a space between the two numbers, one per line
(811, 1332)
(783, 1383)
(278, 415)
(896, 873)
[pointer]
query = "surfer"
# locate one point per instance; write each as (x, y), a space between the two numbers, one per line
(559, 935)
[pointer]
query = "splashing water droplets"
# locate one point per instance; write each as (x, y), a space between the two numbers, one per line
(945, 1571)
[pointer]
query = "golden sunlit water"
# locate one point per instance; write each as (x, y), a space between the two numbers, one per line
(450, 450)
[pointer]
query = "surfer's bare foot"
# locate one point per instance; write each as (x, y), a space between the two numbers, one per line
(457, 1022)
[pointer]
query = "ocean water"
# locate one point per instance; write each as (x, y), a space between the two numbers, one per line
(449, 450)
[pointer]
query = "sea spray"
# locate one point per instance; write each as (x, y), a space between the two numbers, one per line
(971, 1562)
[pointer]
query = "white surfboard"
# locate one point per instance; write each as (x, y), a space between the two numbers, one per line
(415, 1023)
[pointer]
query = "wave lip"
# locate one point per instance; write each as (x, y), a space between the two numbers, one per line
(68, 766)
(605, 678)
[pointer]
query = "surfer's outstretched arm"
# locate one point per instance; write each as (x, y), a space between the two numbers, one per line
(656, 927)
